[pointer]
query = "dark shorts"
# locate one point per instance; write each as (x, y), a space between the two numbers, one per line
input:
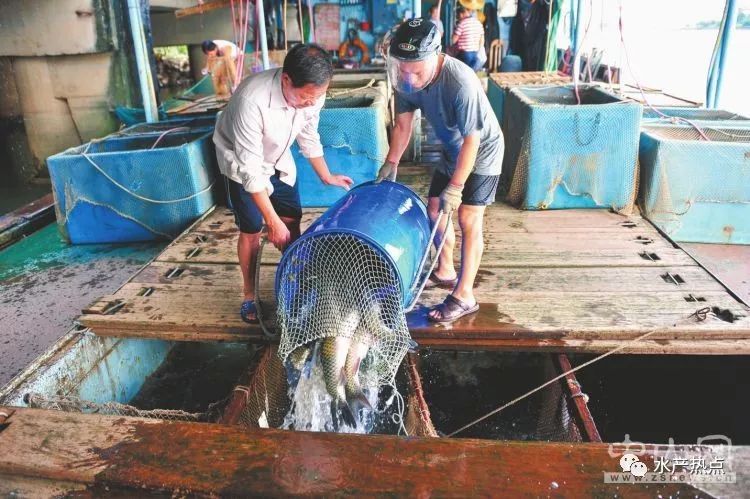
(247, 216)
(479, 190)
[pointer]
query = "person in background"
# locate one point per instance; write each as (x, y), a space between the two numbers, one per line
(221, 64)
(468, 38)
(219, 48)
(253, 137)
(435, 18)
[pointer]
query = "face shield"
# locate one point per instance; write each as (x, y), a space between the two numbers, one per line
(410, 76)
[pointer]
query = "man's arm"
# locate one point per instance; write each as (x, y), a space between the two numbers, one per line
(400, 136)
(467, 156)
(248, 152)
(399, 141)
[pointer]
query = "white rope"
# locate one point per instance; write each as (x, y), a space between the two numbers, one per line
(143, 198)
(699, 314)
(418, 293)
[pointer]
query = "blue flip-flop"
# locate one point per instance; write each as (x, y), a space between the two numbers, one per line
(249, 307)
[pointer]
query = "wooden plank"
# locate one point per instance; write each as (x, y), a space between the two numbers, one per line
(730, 263)
(202, 8)
(115, 454)
(644, 347)
(489, 280)
(589, 316)
(501, 218)
(520, 250)
(552, 315)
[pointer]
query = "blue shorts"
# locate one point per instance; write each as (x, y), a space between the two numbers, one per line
(247, 216)
(479, 190)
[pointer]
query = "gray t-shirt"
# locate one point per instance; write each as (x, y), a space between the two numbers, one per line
(455, 105)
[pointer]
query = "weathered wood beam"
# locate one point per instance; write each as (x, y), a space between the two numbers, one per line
(202, 8)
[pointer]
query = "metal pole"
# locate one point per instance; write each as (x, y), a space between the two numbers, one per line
(262, 33)
(417, 8)
(576, 41)
(726, 41)
(145, 80)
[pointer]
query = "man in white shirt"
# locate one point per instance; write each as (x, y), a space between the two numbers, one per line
(268, 111)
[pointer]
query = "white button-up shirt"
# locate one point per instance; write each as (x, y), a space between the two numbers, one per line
(255, 132)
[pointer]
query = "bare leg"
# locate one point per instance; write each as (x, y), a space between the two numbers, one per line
(445, 270)
(247, 252)
(470, 219)
(472, 246)
(248, 246)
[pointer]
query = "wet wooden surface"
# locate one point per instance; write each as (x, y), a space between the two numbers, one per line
(561, 280)
(49, 451)
(728, 262)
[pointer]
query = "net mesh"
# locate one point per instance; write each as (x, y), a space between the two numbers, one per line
(156, 184)
(338, 285)
(560, 154)
(75, 404)
(264, 400)
(696, 182)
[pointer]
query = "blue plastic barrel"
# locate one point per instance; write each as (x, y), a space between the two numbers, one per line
(389, 217)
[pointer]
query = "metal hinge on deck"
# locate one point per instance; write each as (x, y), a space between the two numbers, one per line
(653, 257)
(675, 279)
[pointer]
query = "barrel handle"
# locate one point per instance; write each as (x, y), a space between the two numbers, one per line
(421, 286)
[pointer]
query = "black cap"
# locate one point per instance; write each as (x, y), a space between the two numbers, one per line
(415, 39)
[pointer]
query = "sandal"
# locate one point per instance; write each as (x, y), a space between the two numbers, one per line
(249, 307)
(435, 282)
(452, 309)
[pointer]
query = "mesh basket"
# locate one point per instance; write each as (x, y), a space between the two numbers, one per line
(560, 154)
(140, 188)
(339, 285)
(695, 182)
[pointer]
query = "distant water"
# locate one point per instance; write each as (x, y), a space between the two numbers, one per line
(677, 61)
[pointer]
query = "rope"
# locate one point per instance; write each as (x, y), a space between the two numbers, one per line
(143, 198)
(258, 309)
(434, 261)
(164, 133)
(640, 89)
(334, 94)
(700, 315)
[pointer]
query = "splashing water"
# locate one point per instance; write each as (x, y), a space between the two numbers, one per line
(311, 403)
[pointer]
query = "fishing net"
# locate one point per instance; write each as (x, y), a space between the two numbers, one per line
(338, 285)
(75, 404)
(460, 387)
(263, 401)
(561, 154)
(696, 182)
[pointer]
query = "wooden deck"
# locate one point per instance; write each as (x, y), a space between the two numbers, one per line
(568, 280)
(51, 453)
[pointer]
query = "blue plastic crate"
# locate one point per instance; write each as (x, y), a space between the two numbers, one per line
(355, 141)
(697, 190)
(561, 154)
(198, 123)
(499, 84)
(125, 189)
(699, 116)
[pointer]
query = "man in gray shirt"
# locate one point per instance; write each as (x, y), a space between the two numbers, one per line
(451, 97)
